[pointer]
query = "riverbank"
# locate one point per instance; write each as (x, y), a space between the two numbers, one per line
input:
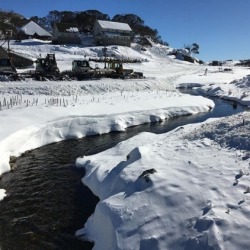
(34, 126)
(36, 113)
(189, 183)
(187, 189)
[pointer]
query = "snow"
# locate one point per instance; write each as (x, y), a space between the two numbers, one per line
(191, 202)
(196, 199)
(114, 25)
(31, 28)
(73, 30)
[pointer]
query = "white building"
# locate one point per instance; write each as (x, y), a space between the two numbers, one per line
(112, 33)
(32, 29)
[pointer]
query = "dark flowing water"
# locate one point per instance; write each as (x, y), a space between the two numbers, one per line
(46, 201)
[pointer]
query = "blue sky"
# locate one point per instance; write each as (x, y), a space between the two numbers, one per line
(220, 27)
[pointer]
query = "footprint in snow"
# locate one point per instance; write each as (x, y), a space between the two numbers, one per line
(242, 201)
(207, 208)
(247, 190)
(236, 182)
(240, 174)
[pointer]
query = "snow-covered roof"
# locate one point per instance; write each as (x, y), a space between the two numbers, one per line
(114, 25)
(67, 27)
(72, 29)
(32, 28)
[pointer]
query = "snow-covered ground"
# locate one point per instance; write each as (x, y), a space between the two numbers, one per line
(198, 196)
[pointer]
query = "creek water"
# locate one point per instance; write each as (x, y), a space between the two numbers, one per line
(46, 202)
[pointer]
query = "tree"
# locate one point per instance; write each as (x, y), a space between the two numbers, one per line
(54, 16)
(68, 17)
(192, 48)
(138, 27)
(86, 19)
(130, 19)
(195, 48)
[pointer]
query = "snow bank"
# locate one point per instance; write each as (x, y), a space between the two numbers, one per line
(2, 194)
(236, 90)
(72, 127)
(196, 199)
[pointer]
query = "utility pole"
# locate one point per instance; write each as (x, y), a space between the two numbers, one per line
(8, 36)
(104, 50)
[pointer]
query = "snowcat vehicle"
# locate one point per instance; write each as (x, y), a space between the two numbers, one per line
(47, 67)
(120, 72)
(81, 70)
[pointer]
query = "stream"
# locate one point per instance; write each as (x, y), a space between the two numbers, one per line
(46, 202)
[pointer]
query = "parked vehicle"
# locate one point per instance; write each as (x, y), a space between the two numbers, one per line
(120, 72)
(81, 70)
(47, 69)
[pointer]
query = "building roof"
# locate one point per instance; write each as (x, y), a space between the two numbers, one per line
(114, 25)
(32, 28)
(67, 27)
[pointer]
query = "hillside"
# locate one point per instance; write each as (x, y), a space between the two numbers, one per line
(84, 20)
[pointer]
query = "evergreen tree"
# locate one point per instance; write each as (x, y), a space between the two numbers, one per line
(192, 48)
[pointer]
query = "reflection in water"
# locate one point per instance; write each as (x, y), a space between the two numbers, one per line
(46, 201)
